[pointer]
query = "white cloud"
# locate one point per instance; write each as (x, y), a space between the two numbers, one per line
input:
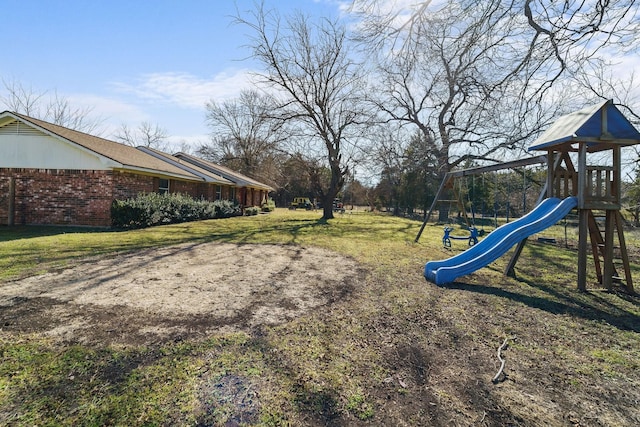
(108, 107)
(186, 90)
(110, 112)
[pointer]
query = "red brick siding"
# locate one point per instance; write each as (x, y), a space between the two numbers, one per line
(62, 197)
(84, 197)
(204, 191)
(4, 199)
(127, 185)
(184, 187)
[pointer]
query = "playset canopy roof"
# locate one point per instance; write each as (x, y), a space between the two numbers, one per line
(600, 126)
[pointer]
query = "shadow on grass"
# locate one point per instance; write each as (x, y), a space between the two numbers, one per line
(30, 231)
(40, 256)
(590, 305)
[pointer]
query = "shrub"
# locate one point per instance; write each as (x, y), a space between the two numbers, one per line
(149, 209)
(251, 210)
(268, 206)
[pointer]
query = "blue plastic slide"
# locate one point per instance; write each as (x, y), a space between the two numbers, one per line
(499, 241)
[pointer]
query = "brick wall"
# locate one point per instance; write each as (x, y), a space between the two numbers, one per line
(184, 187)
(128, 185)
(68, 197)
(4, 199)
(84, 197)
(57, 196)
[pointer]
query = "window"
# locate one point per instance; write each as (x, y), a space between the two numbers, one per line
(163, 186)
(232, 193)
(218, 192)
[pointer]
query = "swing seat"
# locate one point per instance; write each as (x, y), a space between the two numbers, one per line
(472, 238)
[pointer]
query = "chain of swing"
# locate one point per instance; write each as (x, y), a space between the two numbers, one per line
(470, 193)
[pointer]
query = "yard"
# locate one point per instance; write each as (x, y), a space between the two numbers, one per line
(281, 319)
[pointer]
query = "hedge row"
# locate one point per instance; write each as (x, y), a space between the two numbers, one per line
(151, 209)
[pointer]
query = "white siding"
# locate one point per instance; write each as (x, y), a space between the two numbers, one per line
(25, 147)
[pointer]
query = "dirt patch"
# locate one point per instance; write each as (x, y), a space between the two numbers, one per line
(176, 292)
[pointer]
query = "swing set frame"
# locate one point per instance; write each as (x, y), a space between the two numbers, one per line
(449, 181)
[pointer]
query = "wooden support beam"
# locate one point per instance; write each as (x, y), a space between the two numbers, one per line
(607, 278)
(556, 162)
(552, 164)
(499, 166)
(623, 253)
(617, 176)
(547, 191)
(582, 177)
(583, 229)
(510, 269)
(443, 185)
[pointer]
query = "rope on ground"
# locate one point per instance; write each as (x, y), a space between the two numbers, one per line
(502, 361)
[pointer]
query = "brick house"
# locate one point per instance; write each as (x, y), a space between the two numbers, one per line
(250, 191)
(247, 191)
(50, 174)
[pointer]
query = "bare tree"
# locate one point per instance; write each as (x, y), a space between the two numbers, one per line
(244, 136)
(451, 80)
(317, 86)
(475, 77)
(21, 99)
(52, 108)
(564, 32)
(146, 134)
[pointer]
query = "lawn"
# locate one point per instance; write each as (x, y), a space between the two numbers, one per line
(385, 347)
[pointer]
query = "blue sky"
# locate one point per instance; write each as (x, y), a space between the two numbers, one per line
(135, 60)
(130, 61)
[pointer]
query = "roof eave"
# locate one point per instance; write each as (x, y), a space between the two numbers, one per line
(233, 178)
(175, 162)
(158, 173)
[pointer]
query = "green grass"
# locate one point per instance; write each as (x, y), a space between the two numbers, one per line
(397, 350)
(28, 250)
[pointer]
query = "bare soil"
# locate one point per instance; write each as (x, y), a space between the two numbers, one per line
(436, 345)
(177, 292)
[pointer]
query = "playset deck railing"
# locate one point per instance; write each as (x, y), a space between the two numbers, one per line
(600, 185)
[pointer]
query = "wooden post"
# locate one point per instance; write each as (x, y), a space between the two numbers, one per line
(617, 172)
(551, 168)
(12, 201)
(444, 182)
(607, 275)
(623, 252)
(582, 176)
(583, 218)
(510, 269)
(583, 228)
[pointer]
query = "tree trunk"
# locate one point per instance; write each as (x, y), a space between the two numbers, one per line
(327, 209)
